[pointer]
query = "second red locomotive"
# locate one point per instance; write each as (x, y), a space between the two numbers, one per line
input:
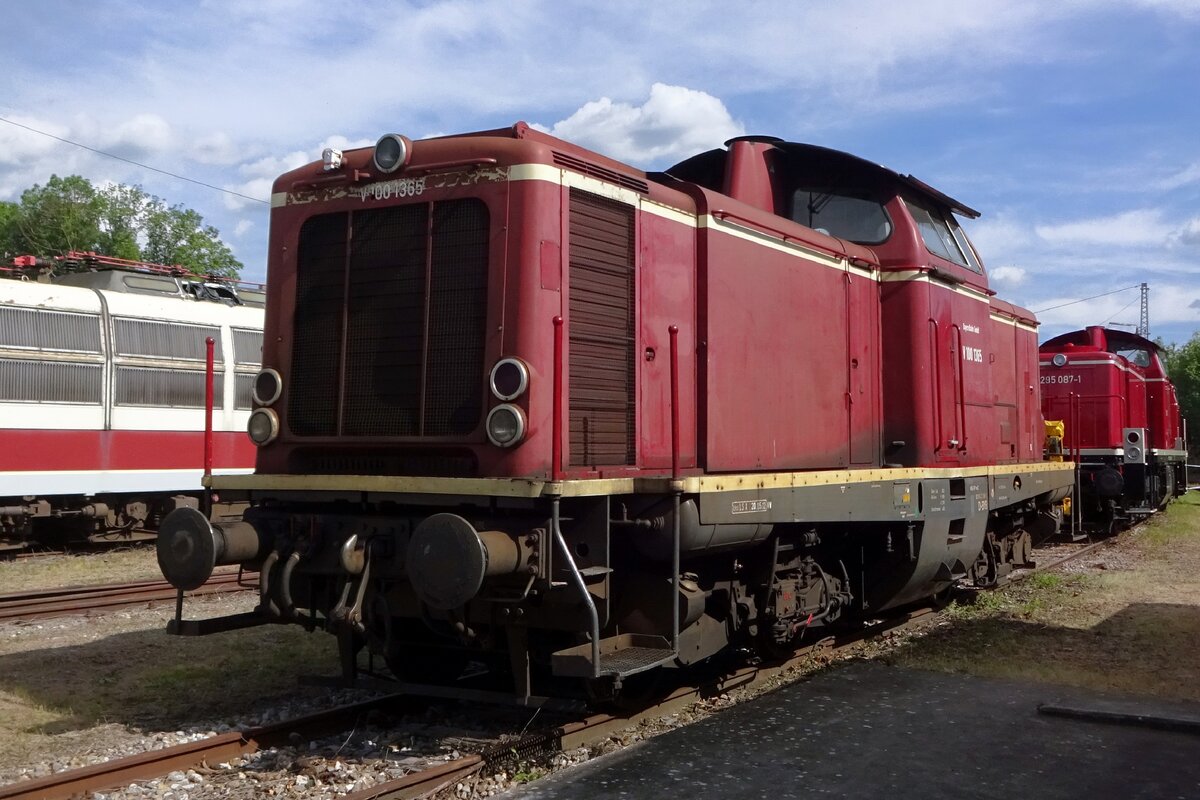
(527, 406)
(1122, 421)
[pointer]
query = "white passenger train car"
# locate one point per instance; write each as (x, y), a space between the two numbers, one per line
(102, 394)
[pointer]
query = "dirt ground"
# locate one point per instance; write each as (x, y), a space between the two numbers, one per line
(1124, 619)
(73, 690)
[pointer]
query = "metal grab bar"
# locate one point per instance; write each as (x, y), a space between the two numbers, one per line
(577, 580)
(673, 330)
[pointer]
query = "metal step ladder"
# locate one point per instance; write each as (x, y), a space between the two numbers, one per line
(623, 654)
(620, 655)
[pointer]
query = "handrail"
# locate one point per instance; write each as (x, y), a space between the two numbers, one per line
(577, 580)
(209, 378)
(556, 426)
(761, 227)
(673, 330)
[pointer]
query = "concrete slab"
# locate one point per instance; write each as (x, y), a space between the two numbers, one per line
(872, 731)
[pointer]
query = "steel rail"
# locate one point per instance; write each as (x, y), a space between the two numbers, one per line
(43, 603)
(215, 749)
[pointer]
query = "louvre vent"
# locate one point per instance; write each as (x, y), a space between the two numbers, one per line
(411, 282)
(171, 388)
(601, 334)
(243, 392)
(50, 382)
(39, 329)
(247, 347)
(601, 173)
(151, 339)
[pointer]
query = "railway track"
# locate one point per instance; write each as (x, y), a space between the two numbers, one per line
(43, 603)
(507, 751)
(223, 747)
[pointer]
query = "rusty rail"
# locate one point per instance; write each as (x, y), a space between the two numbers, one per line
(43, 603)
(156, 763)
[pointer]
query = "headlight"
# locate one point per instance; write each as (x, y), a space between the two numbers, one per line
(263, 426)
(1059, 359)
(391, 152)
(509, 378)
(506, 425)
(268, 385)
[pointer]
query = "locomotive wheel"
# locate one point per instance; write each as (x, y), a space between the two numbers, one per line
(1168, 491)
(942, 597)
(1106, 523)
(1023, 550)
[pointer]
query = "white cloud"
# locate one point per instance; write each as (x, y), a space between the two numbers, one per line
(1138, 227)
(139, 137)
(242, 226)
(1001, 237)
(1188, 9)
(1009, 276)
(1189, 233)
(1184, 177)
(260, 175)
(673, 122)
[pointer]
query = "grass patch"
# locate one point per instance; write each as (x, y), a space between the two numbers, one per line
(1130, 624)
(53, 572)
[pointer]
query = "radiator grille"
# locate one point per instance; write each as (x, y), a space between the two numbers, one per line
(601, 331)
(38, 329)
(340, 462)
(50, 382)
(174, 340)
(411, 282)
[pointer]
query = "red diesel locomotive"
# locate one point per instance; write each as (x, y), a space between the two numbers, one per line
(1122, 421)
(527, 406)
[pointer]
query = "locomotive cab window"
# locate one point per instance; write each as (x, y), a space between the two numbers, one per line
(1137, 356)
(943, 236)
(855, 219)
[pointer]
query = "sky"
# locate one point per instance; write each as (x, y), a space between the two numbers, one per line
(1073, 126)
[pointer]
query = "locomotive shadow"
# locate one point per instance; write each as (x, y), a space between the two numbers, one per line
(1144, 649)
(147, 679)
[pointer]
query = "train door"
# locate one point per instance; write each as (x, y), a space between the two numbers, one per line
(945, 341)
(862, 332)
(1031, 432)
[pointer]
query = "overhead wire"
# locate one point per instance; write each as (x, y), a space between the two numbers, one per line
(1085, 299)
(1122, 311)
(136, 163)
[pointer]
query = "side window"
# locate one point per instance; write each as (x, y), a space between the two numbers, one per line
(943, 236)
(855, 219)
(1135, 355)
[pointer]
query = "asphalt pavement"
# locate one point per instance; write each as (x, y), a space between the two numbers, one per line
(867, 730)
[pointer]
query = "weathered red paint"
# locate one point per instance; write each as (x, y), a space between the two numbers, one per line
(796, 350)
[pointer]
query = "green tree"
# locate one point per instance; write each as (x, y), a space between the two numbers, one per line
(178, 235)
(116, 220)
(60, 216)
(123, 213)
(1183, 366)
(8, 229)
